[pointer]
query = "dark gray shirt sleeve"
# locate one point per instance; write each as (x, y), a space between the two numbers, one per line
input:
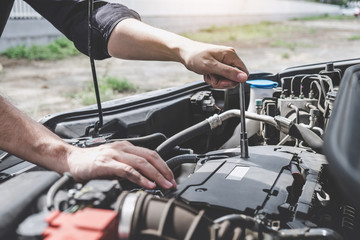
(70, 18)
(5, 8)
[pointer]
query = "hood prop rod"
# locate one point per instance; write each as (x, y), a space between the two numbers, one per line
(98, 124)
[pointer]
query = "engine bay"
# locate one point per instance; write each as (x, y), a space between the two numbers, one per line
(284, 189)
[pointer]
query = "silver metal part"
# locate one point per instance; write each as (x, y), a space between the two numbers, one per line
(244, 148)
(126, 216)
(214, 121)
(323, 198)
(284, 140)
(299, 103)
(283, 124)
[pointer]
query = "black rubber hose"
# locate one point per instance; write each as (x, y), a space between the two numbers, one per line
(165, 148)
(67, 177)
(151, 137)
(155, 138)
(178, 160)
(308, 136)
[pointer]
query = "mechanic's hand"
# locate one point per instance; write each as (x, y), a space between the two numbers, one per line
(220, 65)
(121, 160)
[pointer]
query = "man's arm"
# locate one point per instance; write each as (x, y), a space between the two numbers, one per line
(29, 140)
(116, 31)
(220, 65)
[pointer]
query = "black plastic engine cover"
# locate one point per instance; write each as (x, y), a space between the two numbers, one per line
(259, 184)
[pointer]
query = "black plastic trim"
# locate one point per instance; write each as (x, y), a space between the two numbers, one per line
(342, 139)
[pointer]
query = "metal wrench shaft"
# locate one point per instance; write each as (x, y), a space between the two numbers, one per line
(244, 151)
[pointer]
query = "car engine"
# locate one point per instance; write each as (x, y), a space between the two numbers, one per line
(278, 185)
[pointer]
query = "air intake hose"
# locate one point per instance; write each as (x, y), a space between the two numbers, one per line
(144, 216)
(284, 125)
(309, 137)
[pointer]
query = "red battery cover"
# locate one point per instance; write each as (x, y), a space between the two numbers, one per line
(86, 224)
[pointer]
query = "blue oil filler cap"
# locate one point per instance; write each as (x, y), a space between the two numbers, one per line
(262, 83)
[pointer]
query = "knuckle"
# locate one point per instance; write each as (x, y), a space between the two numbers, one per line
(158, 176)
(107, 153)
(126, 143)
(208, 63)
(121, 144)
(231, 49)
(100, 160)
(154, 155)
(128, 171)
(139, 162)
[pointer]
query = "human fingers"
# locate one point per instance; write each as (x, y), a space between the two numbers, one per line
(219, 82)
(223, 64)
(154, 158)
(232, 59)
(229, 72)
(100, 162)
(149, 163)
(143, 166)
(122, 170)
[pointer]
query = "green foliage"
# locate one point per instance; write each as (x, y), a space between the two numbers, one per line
(354, 38)
(285, 44)
(109, 87)
(336, 2)
(324, 17)
(58, 49)
(249, 32)
(285, 55)
(290, 45)
(119, 85)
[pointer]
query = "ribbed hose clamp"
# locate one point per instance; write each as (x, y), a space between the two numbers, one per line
(214, 121)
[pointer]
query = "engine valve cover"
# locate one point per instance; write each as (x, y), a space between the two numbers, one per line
(259, 184)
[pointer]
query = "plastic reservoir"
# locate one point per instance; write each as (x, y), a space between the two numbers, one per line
(259, 89)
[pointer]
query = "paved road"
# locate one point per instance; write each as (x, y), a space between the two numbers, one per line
(179, 16)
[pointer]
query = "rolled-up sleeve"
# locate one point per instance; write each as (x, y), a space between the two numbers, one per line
(70, 18)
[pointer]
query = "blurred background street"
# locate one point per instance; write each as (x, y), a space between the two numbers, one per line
(174, 15)
(269, 35)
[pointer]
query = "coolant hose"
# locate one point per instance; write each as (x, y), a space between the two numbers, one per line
(196, 130)
(66, 178)
(200, 128)
(149, 141)
(205, 126)
(140, 140)
(309, 137)
(178, 160)
(282, 124)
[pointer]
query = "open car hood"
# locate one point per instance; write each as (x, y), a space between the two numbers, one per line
(287, 188)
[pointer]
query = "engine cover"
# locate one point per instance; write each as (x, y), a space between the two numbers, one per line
(266, 182)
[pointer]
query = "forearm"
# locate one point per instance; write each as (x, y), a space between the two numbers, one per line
(220, 65)
(134, 40)
(29, 140)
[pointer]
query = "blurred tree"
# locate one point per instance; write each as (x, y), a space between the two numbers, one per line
(337, 2)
